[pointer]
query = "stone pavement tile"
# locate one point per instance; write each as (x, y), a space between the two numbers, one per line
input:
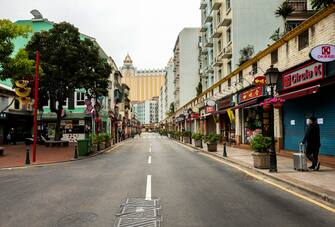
(15, 155)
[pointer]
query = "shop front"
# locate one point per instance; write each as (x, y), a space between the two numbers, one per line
(209, 119)
(226, 118)
(253, 119)
(308, 90)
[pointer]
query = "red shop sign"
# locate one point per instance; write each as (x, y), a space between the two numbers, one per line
(194, 115)
(260, 81)
(209, 109)
(303, 75)
(251, 94)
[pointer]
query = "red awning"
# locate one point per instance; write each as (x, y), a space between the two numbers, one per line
(299, 93)
(242, 105)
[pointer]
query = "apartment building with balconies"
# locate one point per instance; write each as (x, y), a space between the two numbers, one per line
(186, 65)
(230, 25)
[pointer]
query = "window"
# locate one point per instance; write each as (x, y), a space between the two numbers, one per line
(303, 40)
(229, 35)
(229, 83)
(229, 67)
(219, 45)
(254, 68)
(274, 57)
(228, 5)
(80, 98)
(16, 104)
(219, 74)
(240, 77)
(218, 17)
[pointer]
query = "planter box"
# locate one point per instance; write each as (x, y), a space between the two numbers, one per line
(198, 143)
(261, 160)
(212, 147)
(187, 139)
(94, 148)
(102, 146)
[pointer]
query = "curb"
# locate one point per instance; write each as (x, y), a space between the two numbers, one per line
(319, 195)
(66, 161)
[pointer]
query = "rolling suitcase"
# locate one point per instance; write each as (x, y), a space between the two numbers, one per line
(299, 159)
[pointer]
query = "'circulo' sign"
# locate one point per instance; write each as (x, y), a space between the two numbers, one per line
(323, 53)
(210, 102)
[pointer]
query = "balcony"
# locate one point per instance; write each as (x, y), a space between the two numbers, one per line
(226, 52)
(226, 21)
(203, 4)
(209, 18)
(209, 69)
(216, 4)
(203, 29)
(208, 42)
(217, 33)
(204, 51)
(217, 62)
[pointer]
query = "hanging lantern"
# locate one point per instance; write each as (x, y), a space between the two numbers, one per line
(21, 83)
(22, 92)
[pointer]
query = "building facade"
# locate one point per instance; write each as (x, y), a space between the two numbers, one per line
(169, 87)
(143, 84)
(186, 66)
(146, 112)
(304, 84)
(227, 26)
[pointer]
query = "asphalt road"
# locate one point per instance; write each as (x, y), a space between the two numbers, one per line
(193, 191)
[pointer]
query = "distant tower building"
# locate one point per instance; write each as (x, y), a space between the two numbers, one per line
(143, 84)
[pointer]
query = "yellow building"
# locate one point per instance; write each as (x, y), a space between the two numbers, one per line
(143, 84)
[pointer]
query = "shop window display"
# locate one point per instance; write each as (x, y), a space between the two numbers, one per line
(253, 123)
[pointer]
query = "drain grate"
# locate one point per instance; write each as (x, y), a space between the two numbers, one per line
(135, 212)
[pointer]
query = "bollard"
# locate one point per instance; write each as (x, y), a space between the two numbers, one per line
(75, 151)
(224, 150)
(27, 154)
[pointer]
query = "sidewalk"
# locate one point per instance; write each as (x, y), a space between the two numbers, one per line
(15, 155)
(318, 183)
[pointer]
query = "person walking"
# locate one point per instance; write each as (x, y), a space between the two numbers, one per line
(312, 142)
(12, 136)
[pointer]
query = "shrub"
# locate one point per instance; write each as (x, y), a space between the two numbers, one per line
(211, 138)
(197, 136)
(107, 137)
(260, 143)
(186, 133)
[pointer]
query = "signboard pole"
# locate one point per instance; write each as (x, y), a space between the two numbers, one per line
(36, 105)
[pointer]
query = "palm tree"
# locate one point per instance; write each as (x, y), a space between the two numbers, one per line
(199, 88)
(284, 10)
(246, 53)
(320, 4)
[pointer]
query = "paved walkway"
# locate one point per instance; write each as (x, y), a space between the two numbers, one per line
(15, 155)
(319, 182)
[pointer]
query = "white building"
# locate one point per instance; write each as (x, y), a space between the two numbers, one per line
(169, 86)
(230, 25)
(186, 66)
(147, 111)
(162, 104)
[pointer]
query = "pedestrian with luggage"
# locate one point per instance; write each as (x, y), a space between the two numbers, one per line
(312, 142)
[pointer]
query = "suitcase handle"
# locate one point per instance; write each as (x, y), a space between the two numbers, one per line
(302, 148)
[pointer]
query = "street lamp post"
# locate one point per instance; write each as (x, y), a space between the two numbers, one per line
(272, 75)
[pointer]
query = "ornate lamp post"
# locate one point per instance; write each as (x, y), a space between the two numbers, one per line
(272, 75)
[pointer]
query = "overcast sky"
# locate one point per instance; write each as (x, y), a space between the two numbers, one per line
(146, 29)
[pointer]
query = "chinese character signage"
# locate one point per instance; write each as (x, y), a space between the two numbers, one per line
(251, 94)
(303, 75)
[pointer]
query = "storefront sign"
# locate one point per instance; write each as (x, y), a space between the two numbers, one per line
(303, 75)
(323, 53)
(195, 116)
(251, 94)
(195, 109)
(180, 118)
(260, 81)
(224, 103)
(210, 109)
(210, 102)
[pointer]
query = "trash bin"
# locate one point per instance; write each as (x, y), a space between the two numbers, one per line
(83, 147)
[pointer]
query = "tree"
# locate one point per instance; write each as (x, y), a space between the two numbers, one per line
(246, 53)
(68, 63)
(320, 4)
(284, 10)
(276, 35)
(8, 32)
(199, 88)
(172, 107)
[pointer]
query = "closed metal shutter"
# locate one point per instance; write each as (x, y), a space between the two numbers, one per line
(295, 113)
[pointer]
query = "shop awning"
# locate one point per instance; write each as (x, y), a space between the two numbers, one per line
(248, 103)
(299, 93)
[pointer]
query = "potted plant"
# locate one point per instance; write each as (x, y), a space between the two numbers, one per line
(197, 139)
(186, 136)
(260, 144)
(95, 142)
(101, 142)
(107, 139)
(278, 103)
(212, 141)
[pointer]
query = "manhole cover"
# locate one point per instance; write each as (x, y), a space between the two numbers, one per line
(136, 212)
(81, 219)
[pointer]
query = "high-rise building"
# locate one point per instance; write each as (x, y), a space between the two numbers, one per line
(227, 27)
(143, 84)
(146, 111)
(186, 66)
